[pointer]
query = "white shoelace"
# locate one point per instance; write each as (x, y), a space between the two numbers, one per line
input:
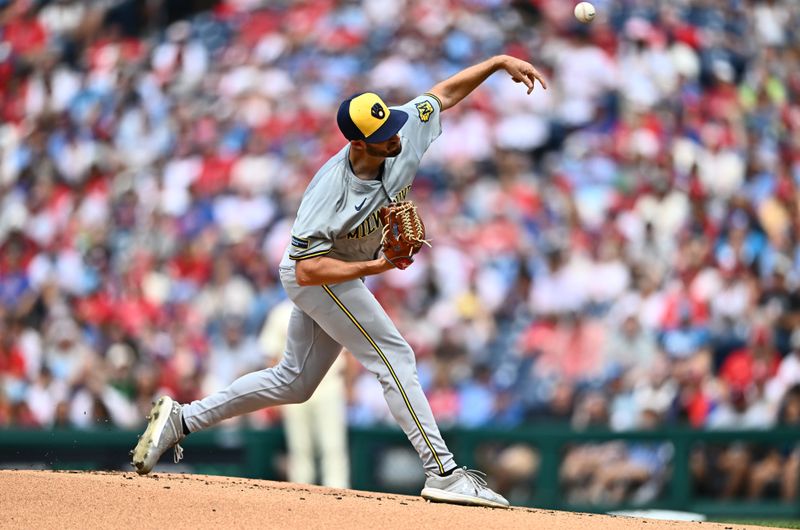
(478, 478)
(177, 454)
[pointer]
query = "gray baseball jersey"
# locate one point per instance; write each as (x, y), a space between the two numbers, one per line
(338, 217)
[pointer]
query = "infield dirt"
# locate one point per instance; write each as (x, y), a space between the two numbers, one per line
(79, 499)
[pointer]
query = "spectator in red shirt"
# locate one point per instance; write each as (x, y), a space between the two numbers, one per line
(23, 31)
(757, 361)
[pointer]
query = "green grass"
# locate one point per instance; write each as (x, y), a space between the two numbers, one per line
(773, 524)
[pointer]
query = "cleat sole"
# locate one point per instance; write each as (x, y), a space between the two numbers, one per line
(438, 495)
(150, 438)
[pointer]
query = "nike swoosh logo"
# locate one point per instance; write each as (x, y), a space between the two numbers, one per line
(358, 208)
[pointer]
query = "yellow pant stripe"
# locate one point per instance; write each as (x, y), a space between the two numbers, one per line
(391, 371)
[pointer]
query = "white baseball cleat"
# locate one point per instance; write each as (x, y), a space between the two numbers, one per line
(164, 430)
(462, 486)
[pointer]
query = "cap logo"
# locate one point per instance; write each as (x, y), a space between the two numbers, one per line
(377, 111)
(368, 113)
(366, 117)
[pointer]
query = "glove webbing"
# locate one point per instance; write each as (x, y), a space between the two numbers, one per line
(406, 214)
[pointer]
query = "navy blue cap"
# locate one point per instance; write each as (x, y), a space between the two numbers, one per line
(366, 117)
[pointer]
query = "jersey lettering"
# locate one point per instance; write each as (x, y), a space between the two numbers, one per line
(401, 196)
(372, 223)
(369, 225)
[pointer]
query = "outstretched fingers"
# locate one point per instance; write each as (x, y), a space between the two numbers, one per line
(536, 76)
(528, 75)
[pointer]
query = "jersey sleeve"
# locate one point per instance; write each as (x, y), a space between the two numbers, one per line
(310, 235)
(423, 125)
(307, 247)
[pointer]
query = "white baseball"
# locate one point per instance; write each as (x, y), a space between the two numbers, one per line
(584, 12)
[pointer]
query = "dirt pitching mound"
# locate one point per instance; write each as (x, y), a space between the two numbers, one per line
(78, 499)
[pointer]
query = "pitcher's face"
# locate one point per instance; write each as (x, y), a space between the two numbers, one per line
(388, 149)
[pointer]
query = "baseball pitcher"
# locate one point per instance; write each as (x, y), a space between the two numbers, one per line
(353, 221)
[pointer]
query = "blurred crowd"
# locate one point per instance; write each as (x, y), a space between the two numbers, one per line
(619, 251)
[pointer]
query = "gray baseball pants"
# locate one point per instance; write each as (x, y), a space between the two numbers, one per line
(325, 319)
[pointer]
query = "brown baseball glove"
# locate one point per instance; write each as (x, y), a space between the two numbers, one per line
(403, 233)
